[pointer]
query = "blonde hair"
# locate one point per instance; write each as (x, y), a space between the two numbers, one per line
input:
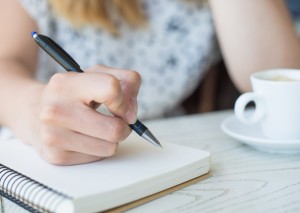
(100, 12)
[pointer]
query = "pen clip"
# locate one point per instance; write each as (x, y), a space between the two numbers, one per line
(62, 50)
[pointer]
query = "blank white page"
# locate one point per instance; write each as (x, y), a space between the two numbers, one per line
(136, 162)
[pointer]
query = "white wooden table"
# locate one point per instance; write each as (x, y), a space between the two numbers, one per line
(243, 179)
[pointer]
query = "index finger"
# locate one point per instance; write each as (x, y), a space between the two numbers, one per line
(129, 77)
(96, 87)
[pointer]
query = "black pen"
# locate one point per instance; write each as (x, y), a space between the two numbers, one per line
(67, 62)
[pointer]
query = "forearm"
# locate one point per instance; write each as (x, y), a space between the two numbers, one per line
(255, 35)
(18, 90)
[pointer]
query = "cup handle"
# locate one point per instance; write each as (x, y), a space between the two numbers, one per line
(240, 108)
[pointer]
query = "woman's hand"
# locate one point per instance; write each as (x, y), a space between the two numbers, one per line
(70, 130)
(59, 118)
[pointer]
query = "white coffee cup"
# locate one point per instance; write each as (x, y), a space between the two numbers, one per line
(276, 95)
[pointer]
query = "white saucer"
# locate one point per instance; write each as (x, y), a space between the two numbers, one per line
(252, 136)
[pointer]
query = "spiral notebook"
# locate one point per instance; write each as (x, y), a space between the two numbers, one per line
(138, 170)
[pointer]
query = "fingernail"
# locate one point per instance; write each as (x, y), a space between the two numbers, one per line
(131, 116)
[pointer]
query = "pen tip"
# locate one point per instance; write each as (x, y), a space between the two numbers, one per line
(33, 33)
(150, 137)
(160, 146)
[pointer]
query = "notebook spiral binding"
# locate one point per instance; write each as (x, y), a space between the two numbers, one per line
(28, 193)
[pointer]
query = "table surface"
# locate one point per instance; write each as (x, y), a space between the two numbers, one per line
(243, 179)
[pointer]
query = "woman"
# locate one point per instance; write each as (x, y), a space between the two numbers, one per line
(55, 112)
(170, 44)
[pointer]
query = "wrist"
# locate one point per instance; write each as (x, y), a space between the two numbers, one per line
(24, 114)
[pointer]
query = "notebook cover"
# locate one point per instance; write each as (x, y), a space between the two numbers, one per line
(158, 194)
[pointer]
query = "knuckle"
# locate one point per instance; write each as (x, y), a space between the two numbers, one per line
(50, 140)
(118, 131)
(113, 85)
(56, 157)
(111, 149)
(49, 113)
(57, 82)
